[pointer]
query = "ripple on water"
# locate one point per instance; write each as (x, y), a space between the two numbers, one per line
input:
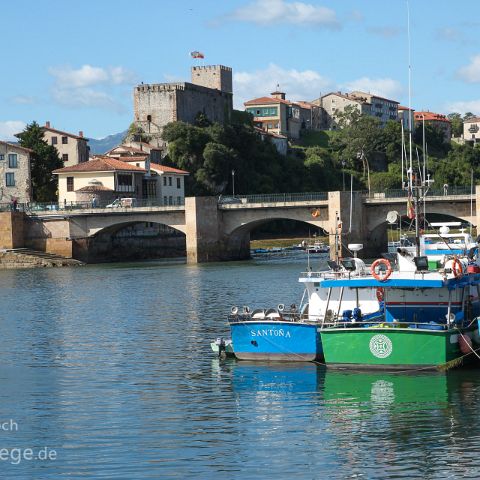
(110, 366)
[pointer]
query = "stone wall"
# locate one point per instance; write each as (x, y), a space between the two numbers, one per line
(158, 104)
(217, 77)
(11, 229)
(21, 190)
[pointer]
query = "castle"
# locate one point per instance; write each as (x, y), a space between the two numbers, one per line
(210, 92)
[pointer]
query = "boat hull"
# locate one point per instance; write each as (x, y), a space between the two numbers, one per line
(276, 341)
(391, 348)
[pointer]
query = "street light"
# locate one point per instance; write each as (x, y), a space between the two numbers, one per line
(233, 183)
(361, 156)
(343, 174)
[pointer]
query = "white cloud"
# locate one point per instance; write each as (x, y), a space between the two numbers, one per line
(86, 97)
(269, 12)
(90, 86)
(385, 87)
(462, 107)
(471, 73)
(298, 85)
(9, 128)
(449, 34)
(86, 76)
(23, 100)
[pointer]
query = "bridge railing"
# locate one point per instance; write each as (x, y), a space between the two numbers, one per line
(434, 192)
(273, 198)
(37, 207)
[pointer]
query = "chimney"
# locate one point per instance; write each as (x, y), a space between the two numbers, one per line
(47, 124)
(80, 133)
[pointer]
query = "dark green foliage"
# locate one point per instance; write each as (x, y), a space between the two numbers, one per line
(457, 124)
(136, 133)
(43, 161)
(211, 153)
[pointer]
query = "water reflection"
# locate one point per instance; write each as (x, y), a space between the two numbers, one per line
(378, 425)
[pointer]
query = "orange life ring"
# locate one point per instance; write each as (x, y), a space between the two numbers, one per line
(380, 294)
(316, 213)
(375, 264)
(457, 268)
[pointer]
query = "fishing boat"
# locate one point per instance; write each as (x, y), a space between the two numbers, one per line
(426, 318)
(274, 334)
(317, 247)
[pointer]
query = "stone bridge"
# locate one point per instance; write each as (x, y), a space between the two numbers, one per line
(216, 231)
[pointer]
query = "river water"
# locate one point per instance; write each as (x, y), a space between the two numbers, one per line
(106, 372)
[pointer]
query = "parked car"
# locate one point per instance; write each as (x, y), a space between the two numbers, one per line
(123, 202)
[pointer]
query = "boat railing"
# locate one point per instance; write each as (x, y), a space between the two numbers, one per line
(371, 323)
(285, 316)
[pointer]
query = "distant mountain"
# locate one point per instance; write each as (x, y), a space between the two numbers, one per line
(102, 145)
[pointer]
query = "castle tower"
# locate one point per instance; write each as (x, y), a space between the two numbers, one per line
(217, 77)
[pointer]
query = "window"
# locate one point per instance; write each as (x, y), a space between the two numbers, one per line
(169, 181)
(164, 181)
(170, 200)
(165, 200)
(10, 179)
(64, 140)
(69, 184)
(179, 200)
(178, 182)
(2, 157)
(65, 157)
(12, 160)
(54, 140)
(124, 179)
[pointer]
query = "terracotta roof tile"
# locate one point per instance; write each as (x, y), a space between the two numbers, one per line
(14, 145)
(430, 116)
(266, 101)
(101, 164)
(164, 168)
(60, 132)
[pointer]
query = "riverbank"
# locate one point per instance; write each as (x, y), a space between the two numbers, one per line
(283, 242)
(25, 258)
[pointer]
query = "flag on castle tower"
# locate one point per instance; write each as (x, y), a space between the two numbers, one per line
(197, 54)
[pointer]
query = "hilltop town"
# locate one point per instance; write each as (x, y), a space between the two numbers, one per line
(141, 167)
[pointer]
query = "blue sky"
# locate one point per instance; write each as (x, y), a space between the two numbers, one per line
(75, 63)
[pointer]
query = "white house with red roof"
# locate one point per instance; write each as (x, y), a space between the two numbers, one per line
(72, 149)
(162, 182)
(106, 178)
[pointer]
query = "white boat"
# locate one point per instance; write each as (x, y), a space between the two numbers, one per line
(317, 247)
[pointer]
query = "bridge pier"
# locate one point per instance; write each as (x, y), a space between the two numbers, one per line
(11, 229)
(347, 215)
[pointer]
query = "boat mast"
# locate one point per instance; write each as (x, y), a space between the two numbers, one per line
(412, 182)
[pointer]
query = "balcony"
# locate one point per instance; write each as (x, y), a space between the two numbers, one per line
(125, 188)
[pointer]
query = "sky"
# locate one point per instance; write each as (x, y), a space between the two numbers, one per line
(75, 63)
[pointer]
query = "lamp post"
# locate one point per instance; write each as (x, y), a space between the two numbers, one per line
(361, 156)
(233, 183)
(343, 174)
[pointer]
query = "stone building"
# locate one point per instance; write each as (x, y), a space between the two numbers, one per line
(15, 179)
(365, 103)
(283, 117)
(72, 149)
(438, 120)
(210, 92)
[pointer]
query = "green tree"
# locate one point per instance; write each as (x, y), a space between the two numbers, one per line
(457, 123)
(135, 133)
(43, 160)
